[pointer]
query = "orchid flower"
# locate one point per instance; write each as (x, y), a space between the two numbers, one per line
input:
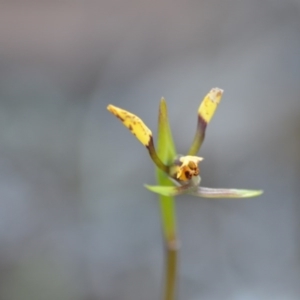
(183, 171)
(176, 174)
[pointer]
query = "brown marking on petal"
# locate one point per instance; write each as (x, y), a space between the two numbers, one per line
(199, 135)
(215, 95)
(202, 124)
(112, 109)
(188, 175)
(133, 123)
(119, 117)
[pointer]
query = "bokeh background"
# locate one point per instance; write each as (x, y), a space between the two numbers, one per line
(75, 219)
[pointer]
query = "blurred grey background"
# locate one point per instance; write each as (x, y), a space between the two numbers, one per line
(75, 219)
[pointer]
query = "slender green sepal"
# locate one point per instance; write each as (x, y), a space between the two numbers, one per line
(165, 144)
(205, 192)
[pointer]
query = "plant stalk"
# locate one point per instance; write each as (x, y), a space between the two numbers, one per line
(170, 271)
(171, 246)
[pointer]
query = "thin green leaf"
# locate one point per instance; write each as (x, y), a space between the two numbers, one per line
(169, 190)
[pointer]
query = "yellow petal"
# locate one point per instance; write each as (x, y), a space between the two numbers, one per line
(133, 123)
(140, 131)
(209, 104)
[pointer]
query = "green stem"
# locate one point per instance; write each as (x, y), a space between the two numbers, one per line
(171, 271)
(167, 209)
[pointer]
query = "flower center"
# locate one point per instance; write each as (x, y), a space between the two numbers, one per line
(188, 167)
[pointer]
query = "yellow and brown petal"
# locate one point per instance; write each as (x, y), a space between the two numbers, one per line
(206, 111)
(139, 129)
(133, 123)
(209, 104)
